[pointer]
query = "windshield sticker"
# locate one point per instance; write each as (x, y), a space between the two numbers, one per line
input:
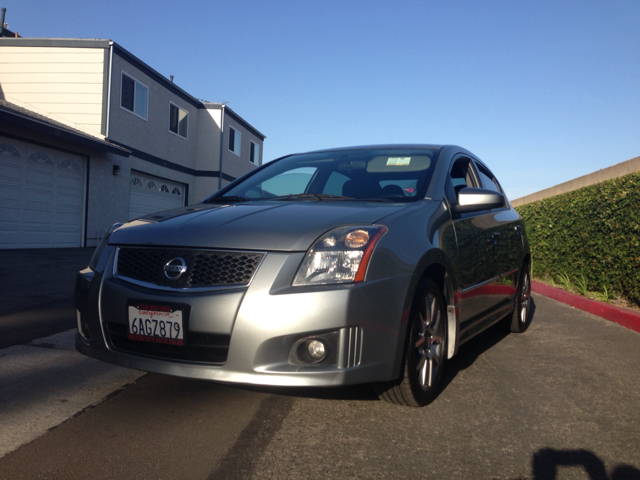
(399, 161)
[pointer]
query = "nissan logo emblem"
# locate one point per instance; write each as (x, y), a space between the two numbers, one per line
(175, 268)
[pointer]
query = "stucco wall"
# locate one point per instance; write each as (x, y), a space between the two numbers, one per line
(151, 135)
(65, 84)
(238, 165)
(615, 171)
(208, 139)
(108, 201)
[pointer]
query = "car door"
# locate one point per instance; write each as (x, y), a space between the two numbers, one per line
(479, 269)
(507, 237)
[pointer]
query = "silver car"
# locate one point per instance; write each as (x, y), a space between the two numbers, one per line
(335, 267)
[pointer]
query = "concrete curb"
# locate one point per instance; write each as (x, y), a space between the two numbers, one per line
(623, 316)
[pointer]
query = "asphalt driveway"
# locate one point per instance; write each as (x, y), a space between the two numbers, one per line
(558, 402)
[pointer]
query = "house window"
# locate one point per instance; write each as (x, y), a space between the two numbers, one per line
(255, 153)
(134, 96)
(234, 140)
(178, 120)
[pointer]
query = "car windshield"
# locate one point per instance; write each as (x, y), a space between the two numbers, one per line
(378, 174)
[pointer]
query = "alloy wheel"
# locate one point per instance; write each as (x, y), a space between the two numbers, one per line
(525, 298)
(429, 344)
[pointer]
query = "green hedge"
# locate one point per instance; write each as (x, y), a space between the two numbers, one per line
(593, 231)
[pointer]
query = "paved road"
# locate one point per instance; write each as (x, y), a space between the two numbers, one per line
(560, 401)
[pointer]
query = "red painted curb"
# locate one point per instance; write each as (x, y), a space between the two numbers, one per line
(623, 316)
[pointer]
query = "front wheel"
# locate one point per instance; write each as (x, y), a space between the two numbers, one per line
(424, 353)
(521, 318)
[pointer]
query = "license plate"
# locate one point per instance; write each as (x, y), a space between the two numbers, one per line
(156, 323)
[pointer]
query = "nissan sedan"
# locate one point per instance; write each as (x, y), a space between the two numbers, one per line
(335, 267)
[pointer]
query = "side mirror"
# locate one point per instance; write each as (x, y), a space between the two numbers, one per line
(476, 199)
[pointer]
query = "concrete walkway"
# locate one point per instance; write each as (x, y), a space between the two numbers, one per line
(43, 380)
(46, 382)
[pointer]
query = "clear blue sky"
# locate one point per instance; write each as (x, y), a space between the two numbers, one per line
(543, 91)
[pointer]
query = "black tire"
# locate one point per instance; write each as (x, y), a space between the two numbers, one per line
(521, 317)
(425, 352)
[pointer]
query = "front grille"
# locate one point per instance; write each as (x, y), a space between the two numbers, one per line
(205, 268)
(199, 348)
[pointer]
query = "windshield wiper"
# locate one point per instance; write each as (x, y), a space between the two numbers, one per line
(229, 199)
(309, 196)
(374, 199)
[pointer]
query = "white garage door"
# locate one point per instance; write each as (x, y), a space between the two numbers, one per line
(41, 196)
(150, 194)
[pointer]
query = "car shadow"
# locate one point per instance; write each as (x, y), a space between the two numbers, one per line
(350, 392)
(474, 348)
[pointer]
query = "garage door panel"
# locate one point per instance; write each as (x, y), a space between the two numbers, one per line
(10, 172)
(36, 176)
(10, 194)
(65, 239)
(36, 226)
(38, 193)
(69, 201)
(69, 220)
(144, 200)
(9, 214)
(9, 238)
(35, 209)
(69, 182)
(41, 196)
(37, 240)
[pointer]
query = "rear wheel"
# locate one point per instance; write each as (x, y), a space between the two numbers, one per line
(424, 354)
(521, 318)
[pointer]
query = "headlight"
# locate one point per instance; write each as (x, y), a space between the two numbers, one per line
(339, 256)
(95, 258)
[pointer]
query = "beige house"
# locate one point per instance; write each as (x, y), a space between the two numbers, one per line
(90, 135)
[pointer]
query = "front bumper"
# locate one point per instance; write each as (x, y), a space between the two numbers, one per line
(262, 324)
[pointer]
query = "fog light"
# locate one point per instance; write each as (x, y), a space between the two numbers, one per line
(316, 350)
(319, 349)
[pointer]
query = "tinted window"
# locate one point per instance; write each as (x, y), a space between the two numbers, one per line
(335, 183)
(462, 175)
(291, 182)
(128, 85)
(134, 96)
(178, 120)
(488, 180)
(390, 174)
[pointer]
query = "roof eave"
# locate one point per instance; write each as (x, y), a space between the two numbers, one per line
(60, 132)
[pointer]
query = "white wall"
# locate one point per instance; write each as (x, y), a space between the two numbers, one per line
(64, 83)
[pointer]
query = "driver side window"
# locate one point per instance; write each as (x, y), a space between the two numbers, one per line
(462, 175)
(488, 180)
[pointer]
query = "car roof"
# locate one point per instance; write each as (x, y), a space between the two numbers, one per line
(375, 147)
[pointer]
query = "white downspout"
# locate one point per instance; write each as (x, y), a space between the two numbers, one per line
(221, 146)
(109, 89)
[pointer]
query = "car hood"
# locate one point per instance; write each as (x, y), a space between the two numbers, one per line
(279, 226)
